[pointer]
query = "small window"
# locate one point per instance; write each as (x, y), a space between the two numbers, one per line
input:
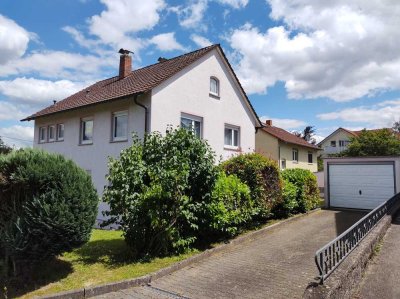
(295, 155)
(310, 157)
(52, 133)
(231, 139)
(214, 86)
(42, 134)
(333, 143)
(343, 143)
(120, 126)
(192, 124)
(283, 164)
(87, 131)
(60, 132)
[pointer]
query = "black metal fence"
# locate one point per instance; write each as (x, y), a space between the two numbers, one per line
(332, 254)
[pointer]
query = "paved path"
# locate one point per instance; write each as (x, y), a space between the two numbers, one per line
(382, 278)
(277, 264)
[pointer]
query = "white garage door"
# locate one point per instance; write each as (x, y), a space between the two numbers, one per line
(360, 186)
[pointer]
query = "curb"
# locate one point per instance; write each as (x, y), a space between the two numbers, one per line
(143, 280)
(342, 282)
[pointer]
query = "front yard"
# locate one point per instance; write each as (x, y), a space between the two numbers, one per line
(105, 258)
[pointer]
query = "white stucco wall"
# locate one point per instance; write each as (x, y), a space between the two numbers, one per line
(188, 92)
(93, 157)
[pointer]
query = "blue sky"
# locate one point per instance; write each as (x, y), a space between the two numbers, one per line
(302, 62)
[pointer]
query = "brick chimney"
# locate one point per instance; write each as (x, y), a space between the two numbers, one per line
(268, 122)
(125, 65)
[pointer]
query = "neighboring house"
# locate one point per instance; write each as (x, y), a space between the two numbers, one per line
(338, 141)
(286, 148)
(198, 91)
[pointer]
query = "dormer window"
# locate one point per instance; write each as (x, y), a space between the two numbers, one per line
(214, 86)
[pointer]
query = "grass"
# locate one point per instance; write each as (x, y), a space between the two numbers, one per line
(105, 258)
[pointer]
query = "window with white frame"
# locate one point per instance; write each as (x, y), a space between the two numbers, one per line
(343, 143)
(52, 133)
(295, 155)
(214, 86)
(310, 157)
(333, 143)
(120, 126)
(192, 123)
(42, 134)
(231, 137)
(60, 132)
(87, 130)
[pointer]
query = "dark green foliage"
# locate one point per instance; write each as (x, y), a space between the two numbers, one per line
(374, 143)
(320, 162)
(159, 191)
(231, 207)
(48, 205)
(289, 204)
(307, 194)
(4, 148)
(261, 175)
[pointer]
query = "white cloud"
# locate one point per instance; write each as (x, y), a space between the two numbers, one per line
(201, 41)
(60, 64)
(13, 40)
(234, 3)
(166, 42)
(9, 111)
(337, 49)
(285, 123)
(34, 91)
(192, 15)
(115, 25)
(376, 116)
(17, 136)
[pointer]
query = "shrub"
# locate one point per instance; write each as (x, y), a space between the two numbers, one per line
(231, 207)
(159, 191)
(307, 188)
(289, 203)
(262, 175)
(48, 205)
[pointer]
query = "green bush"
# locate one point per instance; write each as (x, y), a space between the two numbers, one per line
(48, 205)
(159, 191)
(307, 188)
(231, 207)
(289, 203)
(262, 175)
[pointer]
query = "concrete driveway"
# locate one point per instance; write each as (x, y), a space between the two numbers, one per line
(276, 264)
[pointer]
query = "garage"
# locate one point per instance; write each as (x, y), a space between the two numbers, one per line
(360, 183)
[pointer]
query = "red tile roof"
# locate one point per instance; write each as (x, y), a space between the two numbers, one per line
(139, 81)
(288, 137)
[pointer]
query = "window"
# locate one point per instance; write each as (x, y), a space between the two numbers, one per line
(42, 134)
(333, 143)
(231, 139)
(214, 86)
(310, 157)
(52, 133)
(120, 126)
(343, 143)
(283, 164)
(193, 124)
(60, 132)
(295, 155)
(87, 131)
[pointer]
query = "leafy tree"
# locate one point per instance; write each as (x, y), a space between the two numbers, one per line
(384, 142)
(396, 126)
(159, 191)
(4, 148)
(307, 134)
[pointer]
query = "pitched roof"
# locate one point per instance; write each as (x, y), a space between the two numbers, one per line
(354, 133)
(288, 137)
(139, 81)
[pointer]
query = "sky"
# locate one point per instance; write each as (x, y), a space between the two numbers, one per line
(328, 64)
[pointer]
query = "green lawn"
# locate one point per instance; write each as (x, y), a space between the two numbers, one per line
(105, 258)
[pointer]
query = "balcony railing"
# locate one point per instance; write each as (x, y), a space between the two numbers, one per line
(329, 257)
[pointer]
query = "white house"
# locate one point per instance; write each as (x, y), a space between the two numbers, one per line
(198, 90)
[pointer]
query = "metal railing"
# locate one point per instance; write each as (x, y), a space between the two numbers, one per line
(332, 254)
